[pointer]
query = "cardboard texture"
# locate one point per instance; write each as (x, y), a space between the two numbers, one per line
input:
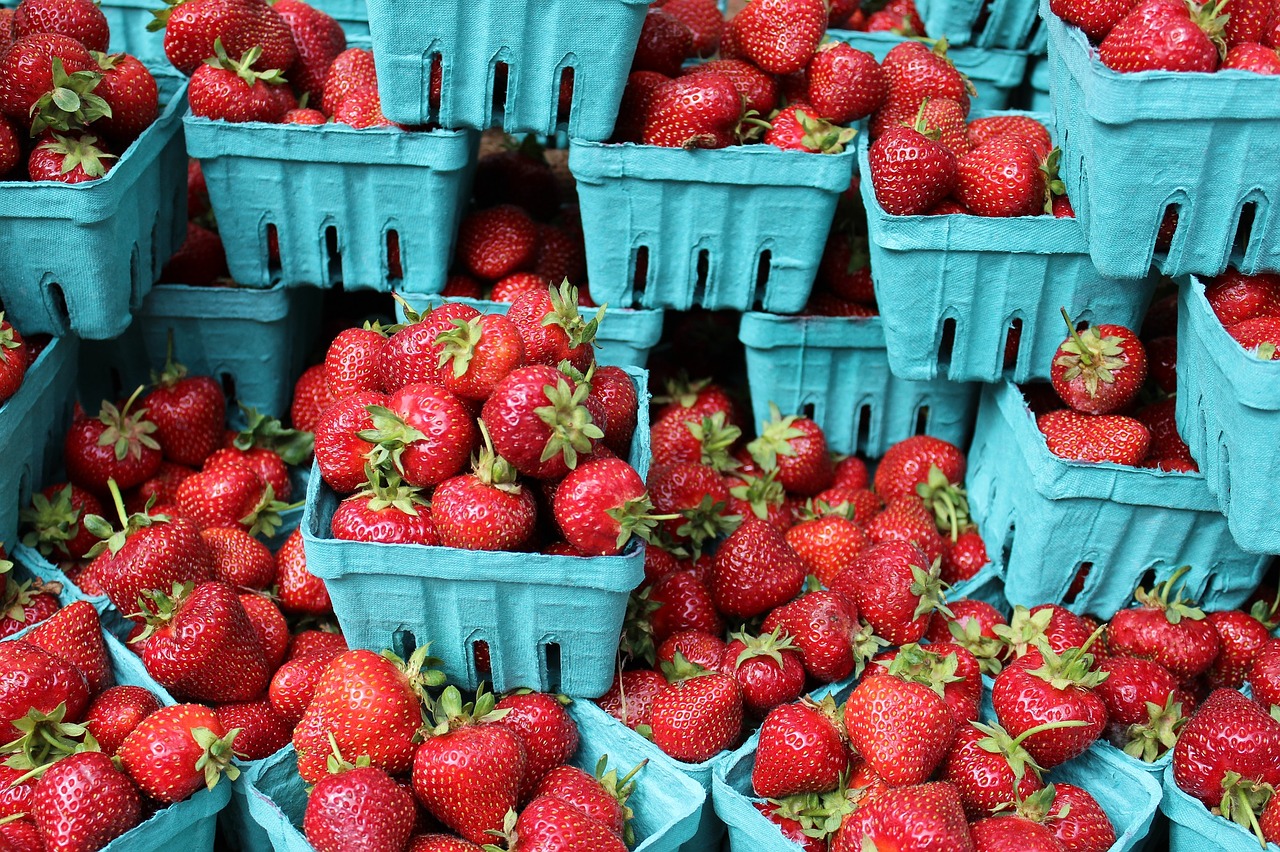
(113, 235)
(1193, 828)
(836, 371)
(982, 23)
(1120, 183)
(982, 274)
(1043, 517)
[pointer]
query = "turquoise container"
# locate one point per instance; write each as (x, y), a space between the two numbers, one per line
(729, 229)
(836, 371)
(1044, 518)
(1038, 79)
(625, 338)
(113, 235)
(666, 804)
(983, 276)
(339, 201)
(1227, 398)
(1192, 828)
(981, 23)
(551, 622)
(536, 43)
(1121, 183)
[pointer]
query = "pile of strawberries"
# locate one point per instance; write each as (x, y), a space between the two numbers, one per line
(1248, 306)
(68, 109)
(1179, 35)
(844, 287)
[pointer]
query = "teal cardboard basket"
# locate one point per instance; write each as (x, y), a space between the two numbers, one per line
(624, 339)
(1121, 183)
(79, 258)
(666, 803)
(1038, 81)
(1044, 518)
(994, 73)
(1192, 828)
(729, 229)
(336, 199)
(253, 342)
(536, 43)
(1227, 399)
(32, 424)
(977, 277)
(836, 371)
(982, 23)
(551, 622)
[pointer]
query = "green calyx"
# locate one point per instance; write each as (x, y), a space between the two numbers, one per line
(1243, 799)
(1091, 356)
(1024, 630)
(1012, 749)
(82, 151)
(636, 518)
(219, 754)
(928, 586)
(1053, 185)
(1267, 613)
(390, 437)
(266, 518)
(1073, 667)
(948, 501)
(768, 645)
(620, 789)
(1212, 18)
(492, 469)
(420, 671)
(1147, 742)
(70, 104)
(127, 432)
(1176, 609)
(157, 608)
(819, 135)
(819, 814)
(243, 68)
(8, 339)
(987, 649)
(866, 644)
(262, 431)
(717, 439)
(572, 429)
(919, 125)
(45, 738)
(681, 669)
(760, 493)
(173, 371)
(706, 522)
(18, 596)
(637, 629)
(384, 490)
(450, 713)
(915, 664)
(458, 344)
(682, 390)
(564, 313)
(776, 435)
(113, 539)
(50, 523)
(336, 764)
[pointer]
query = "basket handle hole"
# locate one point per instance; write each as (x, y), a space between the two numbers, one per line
(641, 278)
(404, 644)
(228, 383)
(807, 410)
(334, 252)
(57, 302)
(436, 85)
(551, 653)
(1011, 343)
(500, 73)
(704, 270)
(948, 341)
(480, 653)
(864, 428)
(565, 104)
(273, 250)
(1244, 229)
(1168, 227)
(395, 267)
(922, 420)
(1078, 582)
(763, 269)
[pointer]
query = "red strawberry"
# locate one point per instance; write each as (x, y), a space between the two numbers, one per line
(990, 769)
(601, 505)
(497, 242)
(698, 495)
(26, 603)
(780, 36)
(27, 68)
(322, 642)
(319, 39)
(894, 590)
(630, 698)
(351, 69)
(230, 496)
(131, 92)
(74, 634)
(36, 681)
(963, 558)
(479, 353)
(358, 807)
(83, 802)
(200, 261)
(10, 143)
(1166, 443)
(759, 89)
(362, 109)
(845, 84)
(1264, 674)
(1003, 177)
(617, 394)
(269, 626)
(902, 728)
(117, 444)
(1076, 819)
(412, 355)
(55, 521)
(340, 451)
(1229, 733)
(1144, 709)
(1164, 35)
(684, 603)
(353, 361)
(538, 423)
(311, 396)
(698, 715)
(755, 571)
(301, 592)
(1241, 635)
(188, 413)
(385, 511)
(193, 26)
(802, 749)
(915, 73)
(602, 796)
(116, 712)
(797, 447)
(231, 90)
(262, 731)
(1026, 129)
(768, 667)
(551, 823)
(1260, 336)
(1044, 687)
(948, 669)
(697, 111)
(922, 818)
(294, 684)
(704, 20)
(1056, 627)
(487, 509)
(665, 42)
(77, 19)
(945, 118)
(552, 329)
(825, 627)
(424, 432)
(1095, 437)
(304, 116)
(1173, 632)
(1012, 833)
(910, 171)
(177, 750)
(561, 256)
(695, 646)
(1235, 297)
(1099, 370)
(15, 356)
(826, 545)
(1095, 18)
(798, 128)
(546, 730)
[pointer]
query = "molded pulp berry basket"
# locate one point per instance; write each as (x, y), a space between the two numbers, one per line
(254, 342)
(1038, 81)
(982, 23)
(995, 73)
(551, 622)
(666, 803)
(981, 276)
(1045, 519)
(32, 424)
(79, 258)
(727, 229)
(1138, 144)
(339, 201)
(534, 43)
(1193, 828)
(836, 370)
(624, 339)
(1228, 401)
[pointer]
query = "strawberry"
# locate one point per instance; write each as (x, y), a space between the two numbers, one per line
(755, 571)
(516, 285)
(768, 667)
(311, 395)
(117, 444)
(825, 627)
(424, 433)
(698, 716)
(561, 257)
(77, 19)
(358, 807)
(551, 823)
(231, 90)
(797, 447)
(10, 142)
(972, 625)
(704, 20)
(546, 730)
(177, 750)
(304, 116)
(362, 109)
(845, 84)
(1230, 739)
(385, 511)
(301, 592)
(200, 261)
(698, 111)
(1096, 18)
(351, 69)
(846, 268)
(28, 66)
(193, 27)
(262, 731)
(695, 646)
(25, 603)
(479, 353)
(617, 395)
(15, 355)
(684, 603)
(1264, 674)
(757, 88)
(1144, 707)
(468, 770)
(319, 39)
(497, 242)
(637, 97)
(83, 802)
(440, 843)
(1247, 21)
(1260, 336)
(538, 422)
(74, 634)
(1074, 817)
(354, 359)
(1099, 370)
(1043, 687)
(1011, 833)
(1165, 35)
(1166, 443)
(797, 128)
(1024, 128)
(188, 413)
(698, 495)
(324, 642)
(601, 796)
(340, 451)
(948, 669)
(600, 505)
(900, 17)
(1095, 437)
(54, 522)
(919, 818)
(990, 769)
(630, 698)
(946, 119)
(15, 793)
(910, 171)
(519, 175)
(230, 496)
(131, 92)
(552, 329)
(294, 684)
(1174, 633)
(826, 545)
(901, 728)
(200, 644)
(915, 72)
(33, 683)
(802, 749)
(269, 626)
(665, 42)
(412, 354)
(68, 159)
(963, 558)
(1241, 635)
(1235, 297)
(893, 590)
(1051, 624)
(487, 509)
(780, 36)
(1002, 177)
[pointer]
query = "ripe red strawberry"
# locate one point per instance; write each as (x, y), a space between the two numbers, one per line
(15, 356)
(768, 667)
(845, 84)
(479, 353)
(1164, 35)
(27, 69)
(200, 644)
(1235, 297)
(824, 625)
(118, 444)
(1259, 336)
(963, 558)
(487, 509)
(1264, 674)
(1173, 632)
(424, 433)
(267, 448)
(601, 505)
(230, 496)
(1026, 129)
(10, 142)
(361, 108)
(1043, 687)
(894, 590)
(704, 20)
(546, 730)
(262, 731)
(497, 242)
(200, 261)
(232, 90)
(552, 329)
(916, 72)
(188, 413)
(798, 128)
(601, 796)
(412, 355)
(301, 592)
(269, 626)
(538, 423)
(311, 396)
(697, 111)
(826, 545)
(319, 39)
(617, 395)
(551, 823)
(1056, 627)
(131, 92)
(846, 269)
(1012, 833)
(1099, 370)
(340, 451)
(176, 751)
(698, 495)
(698, 715)
(755, 571)
(780, 36)
(1095, 438)
(1144, 706)
(324, 642)
(665, 42)
(351, 69)
(116, 712)
(802, 749)
(77, 19)
(26, 603)
(36, 680)
(945, 118)
(1002, 177)
(468, 771)
(74, 634)
(561, 257)
(353, 361)
(294, 684)
(630, 698)
(304, 116)
(193, 26)
(699, 648)
(358, 807)
(684, 603)
(948, 669)
(851, 473)
(1095, 18)
(1229, 733)
(1241, 635)
(916, 818)
(512, 287)
(385, 511)
(910, 171)
(902, 728)
(1166, 443)
(796, 446)
(54, 523)
(440, 843)
(759, 89)
(84, 802)
(1074, 817)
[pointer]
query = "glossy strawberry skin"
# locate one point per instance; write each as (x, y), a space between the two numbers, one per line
(193, 26)
(1264, 674)
(780, 36)
(1158, 35)
(470, 777)
(755, 571)
(907, 464)
(881, 582)
(984, 779)
(359, 807)
(116, 712)
(910, 172)
(698, 111)
(1095, 18)
(497, 242)
(1228, 733)
(545, 728)
(1023, 701)
(922, 818)
(1095, 438)
(902, 729)
(1187, 648)
(155, 557)
(472, 515)
(161, 754)
(340, 451)
(824, 626)
(800, 751)
(630, 698)
(696, 719)
(83, 802)
(33, 678)
(1001, 178)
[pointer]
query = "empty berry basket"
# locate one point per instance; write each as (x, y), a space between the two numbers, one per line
(373, 209)
(1138, 145)
(505, 63)
(1087, 535)
(729, 229)
(955, 291)
(112, 235)
(1228, 399)
(982, 23)
(836, 371)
